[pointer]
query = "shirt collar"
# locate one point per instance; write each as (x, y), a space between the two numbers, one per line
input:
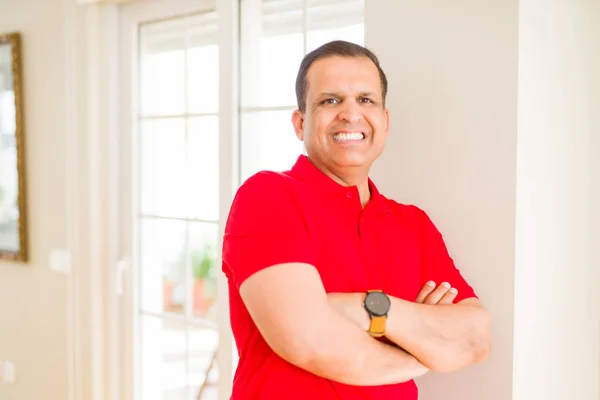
(306, 171)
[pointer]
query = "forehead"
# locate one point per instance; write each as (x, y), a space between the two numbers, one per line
(343, 74)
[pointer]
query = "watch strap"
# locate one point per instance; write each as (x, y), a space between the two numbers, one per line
(377, 326)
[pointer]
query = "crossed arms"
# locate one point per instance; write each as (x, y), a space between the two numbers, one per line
(326, 334)
(442, 336)
(291, 310)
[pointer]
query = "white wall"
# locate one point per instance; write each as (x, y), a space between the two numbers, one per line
(491, 131)
(555, 212)
(33, 300)
(452, 151)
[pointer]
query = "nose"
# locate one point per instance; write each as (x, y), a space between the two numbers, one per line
(350, 112)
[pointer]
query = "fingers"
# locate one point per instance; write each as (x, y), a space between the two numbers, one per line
(426, 291)
(438, 293)
(449, 297)
(443, 294)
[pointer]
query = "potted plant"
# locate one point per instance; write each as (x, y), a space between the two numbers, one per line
(173, 274)
(205, 283)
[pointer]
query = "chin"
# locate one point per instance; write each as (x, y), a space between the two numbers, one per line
(355, 161)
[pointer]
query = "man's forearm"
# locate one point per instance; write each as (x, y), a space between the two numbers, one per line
(443, 337)
(349, 355)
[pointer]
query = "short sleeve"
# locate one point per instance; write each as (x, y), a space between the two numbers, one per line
(265, 227)
(437, 265)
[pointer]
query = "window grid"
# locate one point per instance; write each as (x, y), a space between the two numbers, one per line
(188, 320)
(283, 19)
(187, 323)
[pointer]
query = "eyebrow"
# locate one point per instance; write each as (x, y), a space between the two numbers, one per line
(368, 94)
(362, 94)
(330, 94)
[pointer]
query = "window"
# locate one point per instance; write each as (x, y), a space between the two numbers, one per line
(178, 207)
(276, 34)
(176, 182)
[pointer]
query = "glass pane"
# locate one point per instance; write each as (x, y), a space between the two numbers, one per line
(268, 142)
(203, 168)
(280, 58)
(163, 360)
(162, 67)
(204, 257)
(335, 20)
(163, 172)
(204, 372)
(163, 265)
(271, 51)
(203, 79)
(354, 34)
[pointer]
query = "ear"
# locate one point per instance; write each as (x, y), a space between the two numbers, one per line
(298, 122)
(387, 121)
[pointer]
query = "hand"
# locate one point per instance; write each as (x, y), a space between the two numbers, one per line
(443, 294)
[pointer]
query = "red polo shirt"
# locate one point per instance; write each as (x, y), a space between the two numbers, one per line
(304, 216)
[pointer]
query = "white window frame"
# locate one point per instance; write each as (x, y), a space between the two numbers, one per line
(95, 340)
(251, 11)
(227, 42)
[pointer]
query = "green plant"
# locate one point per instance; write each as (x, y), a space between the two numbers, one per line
(203, 263)
(204, 270)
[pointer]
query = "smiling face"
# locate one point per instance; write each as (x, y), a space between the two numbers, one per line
(345, 125)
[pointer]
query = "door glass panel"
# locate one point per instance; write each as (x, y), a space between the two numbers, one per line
(163, 167)
(272, 47)
(202, 64)
(204, 373)
(164, 359)
(277, 77)
(203, 79)
(334, 20)
(163, 265)
(162, 63)
(268, 142)
(202, 192)
(353, 33)
(205, 269)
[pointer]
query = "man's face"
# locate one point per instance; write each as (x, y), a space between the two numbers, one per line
(345, 125)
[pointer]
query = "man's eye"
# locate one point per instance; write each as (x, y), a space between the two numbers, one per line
(365, 100)
(329, 101)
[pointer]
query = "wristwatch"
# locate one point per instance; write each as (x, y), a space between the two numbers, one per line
(377, 305)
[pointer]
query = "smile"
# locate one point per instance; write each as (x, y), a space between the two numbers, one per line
(348, 136)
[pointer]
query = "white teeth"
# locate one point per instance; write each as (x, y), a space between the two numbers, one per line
(344, 137)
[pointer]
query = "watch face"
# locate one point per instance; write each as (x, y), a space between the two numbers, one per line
(377, 303)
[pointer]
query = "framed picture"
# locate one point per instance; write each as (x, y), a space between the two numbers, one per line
(13, 210)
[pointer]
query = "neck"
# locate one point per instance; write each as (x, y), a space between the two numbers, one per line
(364, 192)
(350, 177)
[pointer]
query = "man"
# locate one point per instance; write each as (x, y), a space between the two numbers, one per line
(337, 292)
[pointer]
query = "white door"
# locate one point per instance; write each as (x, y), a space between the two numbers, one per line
(174, 181)
(180, 164)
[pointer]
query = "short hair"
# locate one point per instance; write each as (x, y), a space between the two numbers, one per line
(335, 48)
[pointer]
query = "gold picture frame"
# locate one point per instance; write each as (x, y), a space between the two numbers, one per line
(13, 204)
